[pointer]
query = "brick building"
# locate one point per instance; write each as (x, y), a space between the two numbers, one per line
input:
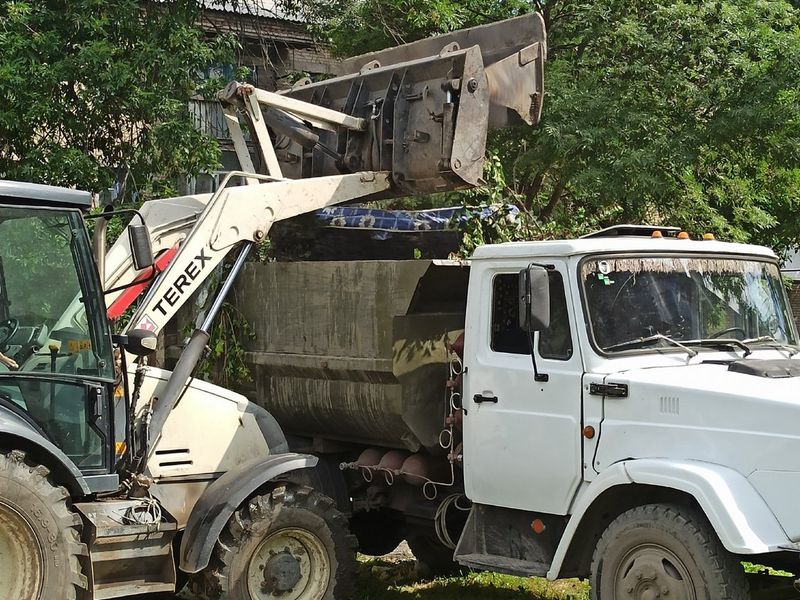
(274, 47)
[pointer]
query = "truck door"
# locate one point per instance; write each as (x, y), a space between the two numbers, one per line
(522, 439)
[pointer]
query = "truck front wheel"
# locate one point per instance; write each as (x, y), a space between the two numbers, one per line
(39, 543)
(291, 544)
(664, 551)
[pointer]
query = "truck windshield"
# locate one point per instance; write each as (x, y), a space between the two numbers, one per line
(637, 302)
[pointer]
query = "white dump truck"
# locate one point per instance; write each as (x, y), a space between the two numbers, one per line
(647, 442)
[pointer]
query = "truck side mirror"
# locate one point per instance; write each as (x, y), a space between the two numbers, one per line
(141, 249)
(140, 342)
(534, 298)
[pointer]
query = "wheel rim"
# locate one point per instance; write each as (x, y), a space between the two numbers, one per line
(290, 564)
(651, 572)
(20, 554)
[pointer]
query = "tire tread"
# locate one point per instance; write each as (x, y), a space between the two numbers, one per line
(725, 570)
(254, 517)
(36, 477)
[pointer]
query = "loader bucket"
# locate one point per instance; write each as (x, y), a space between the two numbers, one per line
(421, 111)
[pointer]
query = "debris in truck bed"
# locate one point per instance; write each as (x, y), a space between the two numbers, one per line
(365, 233)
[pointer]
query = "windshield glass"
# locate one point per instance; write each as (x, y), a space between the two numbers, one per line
(684, 298)
(42, 327)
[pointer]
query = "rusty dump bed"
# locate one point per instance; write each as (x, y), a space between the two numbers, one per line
(354, 351)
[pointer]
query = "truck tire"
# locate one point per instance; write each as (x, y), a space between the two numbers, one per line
(291, 544)
(666, 551)
(39, 535)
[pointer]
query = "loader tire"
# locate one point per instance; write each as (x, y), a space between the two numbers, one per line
(664, 551)
(291, 543)
(39, 535)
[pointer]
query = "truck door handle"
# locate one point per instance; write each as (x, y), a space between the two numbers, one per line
(480, 398)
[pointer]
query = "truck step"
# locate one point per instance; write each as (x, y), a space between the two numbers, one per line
(125, 588)
(502, 564)
(127, 557)
(502, 540)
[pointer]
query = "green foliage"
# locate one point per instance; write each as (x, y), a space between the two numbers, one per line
(35, 253)
(396, 579)
(95, 91)
(357, 27)
(224, 363)
(681, 113)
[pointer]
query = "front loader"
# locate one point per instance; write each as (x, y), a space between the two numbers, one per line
(117, 478)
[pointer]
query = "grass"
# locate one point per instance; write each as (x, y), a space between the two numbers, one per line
(382, 580)
(395, 578)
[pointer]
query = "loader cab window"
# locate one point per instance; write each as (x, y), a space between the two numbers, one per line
(53, 326)
(51, 315)
(555, 342)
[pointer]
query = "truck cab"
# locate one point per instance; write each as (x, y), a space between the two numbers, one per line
(666, 375)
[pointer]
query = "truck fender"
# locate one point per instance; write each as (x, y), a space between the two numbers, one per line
(17, 432)
(224, 496)
(740, 517)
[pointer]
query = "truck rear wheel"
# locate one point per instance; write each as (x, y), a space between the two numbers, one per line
(664, 551)
(291, 544)
(39, 539)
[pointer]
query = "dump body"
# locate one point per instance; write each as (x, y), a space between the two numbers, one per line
(354, 351)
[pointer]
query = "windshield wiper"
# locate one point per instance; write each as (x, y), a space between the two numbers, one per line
(721, 343)
(639, 342)
(790, 350)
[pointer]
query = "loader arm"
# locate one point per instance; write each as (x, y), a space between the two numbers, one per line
(241, 214)
(169, 221)
(407, 120)
(419, 113)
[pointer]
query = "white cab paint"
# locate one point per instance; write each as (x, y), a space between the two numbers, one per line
(523, 452)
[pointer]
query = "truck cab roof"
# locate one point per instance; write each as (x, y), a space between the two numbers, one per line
(616, 245)
(35, 194)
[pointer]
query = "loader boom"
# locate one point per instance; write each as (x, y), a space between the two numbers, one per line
(236, 214)
(406, 120)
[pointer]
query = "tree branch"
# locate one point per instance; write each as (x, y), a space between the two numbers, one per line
(555, 198)
(533, 188)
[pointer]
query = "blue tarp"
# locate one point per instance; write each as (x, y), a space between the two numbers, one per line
(389, 221)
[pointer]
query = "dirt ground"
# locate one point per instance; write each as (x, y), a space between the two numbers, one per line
(397, 564)
(395, 577)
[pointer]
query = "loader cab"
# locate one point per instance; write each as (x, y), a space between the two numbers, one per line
(59, 371)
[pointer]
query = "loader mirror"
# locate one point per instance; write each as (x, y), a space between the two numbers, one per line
(141, 250)
(534, 298)
(140, 342)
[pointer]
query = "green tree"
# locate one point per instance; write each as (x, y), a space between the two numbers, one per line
(97, 91)
(679, 112)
